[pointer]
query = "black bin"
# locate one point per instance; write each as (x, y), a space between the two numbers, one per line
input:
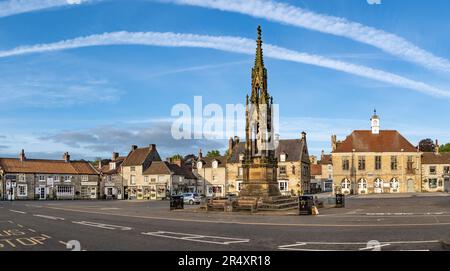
(305, 205)
(340, 201)
(176, 202)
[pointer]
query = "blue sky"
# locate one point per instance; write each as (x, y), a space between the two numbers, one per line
(95, 100)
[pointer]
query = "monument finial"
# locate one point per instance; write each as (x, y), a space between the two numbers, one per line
(259, 62)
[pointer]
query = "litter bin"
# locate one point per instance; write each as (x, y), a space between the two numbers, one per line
(176, 202)
(340, 201)
(305, 204)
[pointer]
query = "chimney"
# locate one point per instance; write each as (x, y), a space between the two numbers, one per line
(100, 164)
(115, 156)
(22, 156)
(304, 135)
(436, 148)
(333, 142)
(322, 155)
(134, 147)
(200, 154)
(230, 146)
(66, 157)
(152, 147)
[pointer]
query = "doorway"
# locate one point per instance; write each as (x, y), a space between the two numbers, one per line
(410, 186)
(93, 194)
(447, 185)
(41, 191)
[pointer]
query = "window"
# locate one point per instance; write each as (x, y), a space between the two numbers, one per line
(446, 170)
(410, 163)
(305, 170)
(440, 183)
(238, 186)
(432, 170)
(361, 163)
(41, 178)
(282, 170)
(214, 177)
(293, 169)
(133, 169)
(283, 185)
(67, 178)
(133, 179)
(145, 179)
(199, 165)
(112, 166)
(432, 183)
(64, 190)
(22, 177)
(240, 172)
(153, 180)
(377, 162)
(22, 190)
(394, 164)
(345, 164)
(85, 178)
(241, 157)
(282, 157)
(56, 178)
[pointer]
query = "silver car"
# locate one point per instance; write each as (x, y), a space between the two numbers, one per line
(192, 198)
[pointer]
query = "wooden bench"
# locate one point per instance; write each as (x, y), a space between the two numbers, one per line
(217, 204)
(245, 204)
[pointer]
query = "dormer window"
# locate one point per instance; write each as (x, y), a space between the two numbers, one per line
(199, 165)
(112, 166)
(215, 164)
(283, 157)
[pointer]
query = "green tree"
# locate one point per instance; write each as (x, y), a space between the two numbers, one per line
(177, 156)
(213, 153)
(444, 148)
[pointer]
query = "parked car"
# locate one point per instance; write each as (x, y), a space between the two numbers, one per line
(192, 198)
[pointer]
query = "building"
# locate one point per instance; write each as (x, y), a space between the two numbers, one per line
(133, 168)
(165, 178)
(39, 179)
(293, 173)
(436, 171)
(321, 174)
(375, 161)
(211, 175)
(112, 185)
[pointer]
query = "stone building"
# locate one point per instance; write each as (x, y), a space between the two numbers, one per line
(375, 161)
(133, 168)
(169, 178)
(436, 171)
(39, 179)
(112, 185)
(211, 175)
(293, 173)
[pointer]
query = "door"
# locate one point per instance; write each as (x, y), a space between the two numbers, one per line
(41, 192)
(362, 186)
(378, 186)
(410, 186)
(93, 194)
(12, 193)
(447, 185)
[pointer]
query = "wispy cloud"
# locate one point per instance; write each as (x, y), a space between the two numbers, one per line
(292, 15)
(229, 44)
(13, 7)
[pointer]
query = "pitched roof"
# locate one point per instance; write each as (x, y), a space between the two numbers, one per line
(316, 170)
(366, 141)
(138, 156)
(164, 167)
(293, 148)
(433, 158)
(106, 169)
(15, 165)
(207, 161)
(326, 160)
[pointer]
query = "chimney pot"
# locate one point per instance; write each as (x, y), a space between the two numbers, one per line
(22, 155)
(66, 157)
(134, 147)
(115, 155)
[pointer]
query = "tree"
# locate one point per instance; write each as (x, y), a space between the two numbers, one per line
(177, 156)
(426, 145)
(213, 153)
(227, 153)
(444, 148)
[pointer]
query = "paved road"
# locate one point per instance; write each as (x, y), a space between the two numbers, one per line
(412, 223)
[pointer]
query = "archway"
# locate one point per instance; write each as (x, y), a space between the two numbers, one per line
(378, 186)
(394, 185)
(345, 186)
(362, 186)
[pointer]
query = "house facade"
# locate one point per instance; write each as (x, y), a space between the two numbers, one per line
(112, 185)
(436, 171)
(211, 175)
(375, 161)
(294, 166)
(133, 168)
(38, 179)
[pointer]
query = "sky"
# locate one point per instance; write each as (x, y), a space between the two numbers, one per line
(92, 77)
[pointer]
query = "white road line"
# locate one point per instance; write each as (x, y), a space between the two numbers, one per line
(112, 208)
(374, 247)
(50, 217)
(15, 211)
(31, 230)
(34, 206)
(197, 237)
(46, 236)
(299, 246)
(20, 226)
(101, 225)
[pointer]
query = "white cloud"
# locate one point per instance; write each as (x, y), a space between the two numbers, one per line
(13, 7)
(292, 15)
(229, 44)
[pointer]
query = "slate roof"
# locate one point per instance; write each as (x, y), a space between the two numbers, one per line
(366, 141)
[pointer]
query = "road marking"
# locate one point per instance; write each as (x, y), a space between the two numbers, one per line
(46, 236)
(50, 217)
(299, 246)
(31, 230)
(63, 243)
(112, 208)
(198, 238)
(15, 211)
(20, 226)
(258, 223)
(35, 206)
(101, 225)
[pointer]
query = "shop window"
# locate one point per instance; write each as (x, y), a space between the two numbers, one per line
(432, 183)
(283, 186)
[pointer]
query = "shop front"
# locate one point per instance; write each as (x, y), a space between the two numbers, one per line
(89, 190)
